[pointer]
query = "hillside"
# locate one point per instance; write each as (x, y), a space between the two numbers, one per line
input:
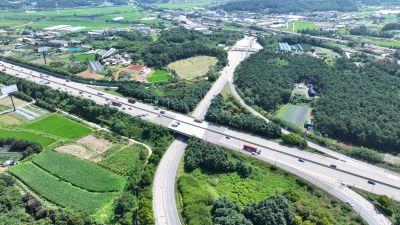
(272, 6)
(14, 5)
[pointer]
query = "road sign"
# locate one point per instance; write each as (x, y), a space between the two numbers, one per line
(9, 89)
(43, 49)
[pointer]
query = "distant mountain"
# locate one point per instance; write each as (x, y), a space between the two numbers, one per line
(12, 4)
(285, 6)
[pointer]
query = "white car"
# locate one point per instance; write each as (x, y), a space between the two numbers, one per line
(175, 124)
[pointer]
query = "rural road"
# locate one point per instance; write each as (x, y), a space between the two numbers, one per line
(348, 172)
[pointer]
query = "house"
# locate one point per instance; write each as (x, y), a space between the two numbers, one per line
(58, 43)
(10, 163)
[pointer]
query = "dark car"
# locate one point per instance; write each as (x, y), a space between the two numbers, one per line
(301, 160)
(333, 166)
(371, 182)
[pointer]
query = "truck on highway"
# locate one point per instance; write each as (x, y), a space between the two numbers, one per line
(253, 150)
(116, 103)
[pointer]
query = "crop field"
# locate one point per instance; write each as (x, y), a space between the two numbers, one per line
(78, 172)
(123, 159)
(57, 191)
(301, 25)
(159, 76)
(85, 57)
(198, 189)
(193, 67)
(296, 114)
(27, 135)
(60, 126)
(89, 18)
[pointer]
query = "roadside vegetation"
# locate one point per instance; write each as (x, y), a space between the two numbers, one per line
(205, 190)
(121, 203)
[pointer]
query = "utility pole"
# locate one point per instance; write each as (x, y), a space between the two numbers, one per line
(12, 101)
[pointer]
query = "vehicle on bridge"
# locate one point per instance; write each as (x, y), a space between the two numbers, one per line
(253, 150)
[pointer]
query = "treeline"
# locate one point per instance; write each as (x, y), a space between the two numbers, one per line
(365, 31)
(357, 104)
(275, 210)
(219, 112)
(271, 6)
(159, 138)
(180, 43)
(200, 154)
(391, 26)
(319, 32)
(18, 145)
(181, 97)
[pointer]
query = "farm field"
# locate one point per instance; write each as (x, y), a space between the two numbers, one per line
(60, 126)
(301, 25)
(193, 67)
(57, 191)
(88, 18)
(85, 57)
(27, 135)
(78, 172)
(159, 76)
(296, 114)
(199, 188)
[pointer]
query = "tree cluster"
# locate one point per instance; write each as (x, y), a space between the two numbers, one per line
(200, 154)
(365, 31)
(181, 97)
(275, 210)
(219, 113)
(294, 139)
(18, 145)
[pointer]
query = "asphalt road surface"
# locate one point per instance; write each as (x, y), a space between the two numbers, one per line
(349, 171)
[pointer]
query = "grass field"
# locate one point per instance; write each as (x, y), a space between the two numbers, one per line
(57, 191)
(159, 76)
(301, 25)
(198, 189)
(27, 135)
(60, 126)
(85, 57)
(90, 18)
(123, 159)
(78, 172)
(395, 44)
(193, 67)
(296, 114)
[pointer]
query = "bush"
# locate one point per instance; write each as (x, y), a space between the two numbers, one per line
(22, 96)
(294, 139)
(365, 154)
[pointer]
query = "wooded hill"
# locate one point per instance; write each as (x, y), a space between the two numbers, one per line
(359, 105)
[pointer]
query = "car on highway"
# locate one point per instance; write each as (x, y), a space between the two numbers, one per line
(198, 120)
(99, 93)
(301, 160)
(350, 204)
(227, 137)
(175, 124)
(333, 166)
(371, 182)
(162, 112)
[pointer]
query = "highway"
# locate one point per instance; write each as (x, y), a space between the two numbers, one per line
(347, 172)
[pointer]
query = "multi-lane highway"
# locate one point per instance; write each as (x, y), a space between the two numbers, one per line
(316, 168)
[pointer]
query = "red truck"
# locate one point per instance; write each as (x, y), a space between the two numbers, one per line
(251, 149)
(115, 103)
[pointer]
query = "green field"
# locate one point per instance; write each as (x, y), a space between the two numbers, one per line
(57, 191)
(60, 126)
(197, 191)
(159, 76)
(78, 172)
(85, 57)
(27, 135)
(394, 44)
(193, 67)
(90, 18)
(122, 159)
(301, 25)
(296, 114)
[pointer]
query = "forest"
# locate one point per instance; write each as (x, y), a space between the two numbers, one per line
(159, 138)
(271, 6)
(358, 105)
(180, 43)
